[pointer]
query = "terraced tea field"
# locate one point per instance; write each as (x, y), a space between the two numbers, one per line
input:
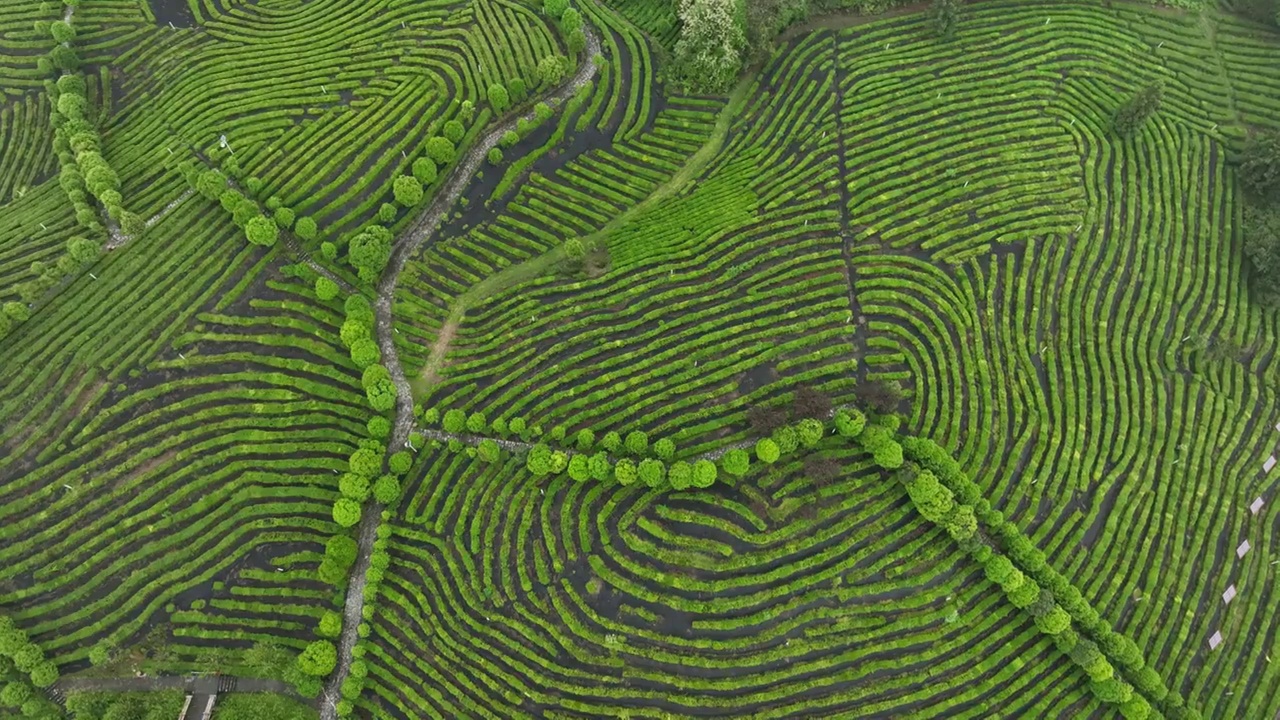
(452, 359)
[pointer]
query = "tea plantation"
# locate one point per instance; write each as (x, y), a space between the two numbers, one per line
(639, 358)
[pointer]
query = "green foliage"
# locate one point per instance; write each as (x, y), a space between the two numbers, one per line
(346, 512)
(318, 659)
(400, 462)
(489, 451)
(637, 443)
(652, 472)
(454, 131)
(424, 169)
(708, 54)
(664, 449)
(369, 252)
(386, 490)
(1131, 115)
(498, 98)
(495, 156)
(625, 471)
(736, 462)
(555, 8)
(1260, 166)
(325, 288)
(441, 150)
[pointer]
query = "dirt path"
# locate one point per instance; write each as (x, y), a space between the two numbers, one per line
(430, 374)
(421, 230)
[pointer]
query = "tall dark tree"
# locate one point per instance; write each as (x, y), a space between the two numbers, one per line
(1131, 115)
(946, 13)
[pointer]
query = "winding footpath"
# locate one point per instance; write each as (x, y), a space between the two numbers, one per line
(422, 229)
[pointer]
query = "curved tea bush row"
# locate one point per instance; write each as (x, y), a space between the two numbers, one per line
(1021, 353)
(26, 151)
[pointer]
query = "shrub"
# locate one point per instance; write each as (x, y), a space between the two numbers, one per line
(354, 486)
(652, 472)
(400, 462)
(326, 289)
(366, 462)
(454, 421)
(664, 449)
(495, 156)
(509, 138)
(586, 439)
(454, 131)
(498, 98)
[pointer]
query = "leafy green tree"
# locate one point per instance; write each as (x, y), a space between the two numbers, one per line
(424, 169)
(680, 475)
(704, 473)
(454, 131)
(849, 423)
(767, 451)
(737, 462)
(326, 289)
(212, 184)
(28, 657)
(946, 13)
(408, 190)
(538, 461)
(1260, 166)
(366, 461)
(441, 150)
(454, 421)
(1112, 691)
(369, 252)
(664, 449)
(586, 439)
(555, 8)
(637, 442)
(558, 462)
(600, 467)
(379, 387)
(284, 217)
(551, 69)
(518, 426)
(64, 58)
(354, 486)
(499, 100)
(305, 228)
(786, 439)
(346, 512)
(571, 20)
(579, 468)
(386, 490)
(488, 451)
(961, 523)
(611, 442)
(400, 462)
(809, 432)
(1131, 115)
(17, 311)
(652, 472)
(330, 625)
(509, 138)
(577, 41)
(708, 53)
(387, 213)
(319, 658)
(476, 422)
(14, 694)
(1135, 708)
(72, 105)
(62, 31)
(495, 156)
(1262, 247)
(626, 472)
(262, 230)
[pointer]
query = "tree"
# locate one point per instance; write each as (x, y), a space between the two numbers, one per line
(354, 486)
(518, 426)
(1135, 708)
(212, 184)
(454, 421)
(579, 468)
(386, 490)
(538, 461)
(558, 462)
(64, 58)
(73, 105)
(489, 451)
(1260, 166)
(379, 388)
(326, 289)
(132, 223)
(318, 659)
(441, 150)
(626, 472)
(424, 169)
(476, 422)
(878, 395)
(305, 228)
(62, 31)
(407, 190)
(708, 53)
(571, 20)
(574, 249)
(736, 462)
(652, 472)
(945, 15)
(495, 156)
(369, 252)
(284, 216)
(28, 657)
(664, 449)
(600, 467)
(555, 8)
(1262, 247)
(786, 439)
(499, 100)
(1134, 112)
(586, 439)
(611, 442)
(680, 474)
(767, 451)
(15, 693)
(330, 625)
(1112, 691)
(17, 311)
(637, 442)
(262, 230)
(366, 461)
(551, 69)
(346, 512)
(400, 462)
(454, 131)
(809, 432)
(577, 41)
